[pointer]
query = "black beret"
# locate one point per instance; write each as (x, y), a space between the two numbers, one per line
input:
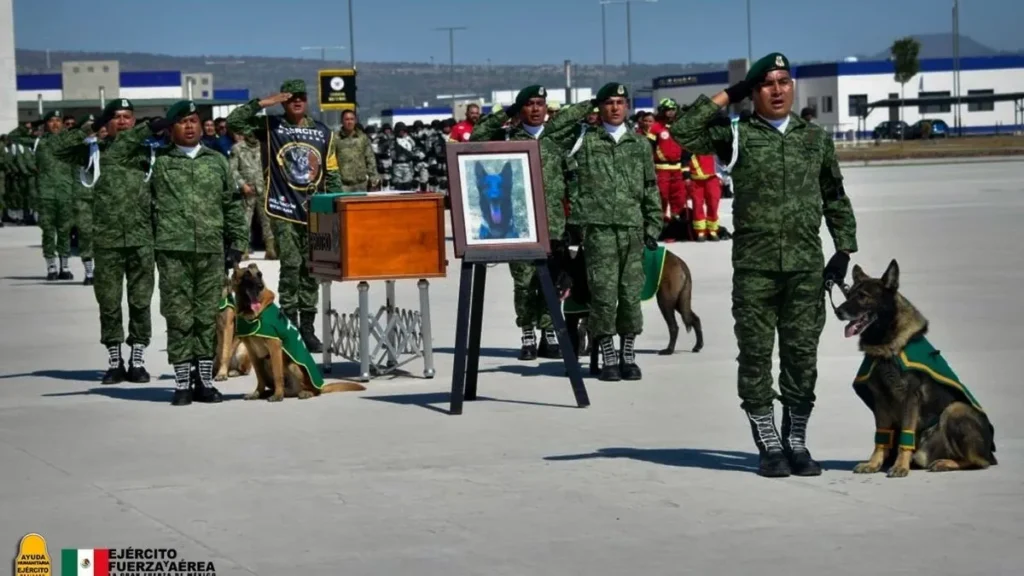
(773, 61)
(181, 109)
(52, 114)
(610, 90)
(535, 91)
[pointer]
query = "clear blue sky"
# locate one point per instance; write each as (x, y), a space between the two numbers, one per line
(504, 31)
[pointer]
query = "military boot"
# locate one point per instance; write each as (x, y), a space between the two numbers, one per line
(271, 253)
(65, 270)
(528, 351)
(203, 389)
(137, 373)
(549, 345)
(794, 442)
(115, 373)
(182, 392)
(630, 371)
(610, 372)
(51, 269)
(90, 268)
(308, 333)
(773, 462)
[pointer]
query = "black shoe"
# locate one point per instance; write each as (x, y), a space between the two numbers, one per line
(115, 375)
(182, 398)
(631, 372)
(88, 281)
(528, 352)
(547, 348)
(610, 373)
(65, 275)
(794, 442)
(308, 333)
(207, 394)
(802, 464)
(773, 465)
(138, 375)
(51, 276)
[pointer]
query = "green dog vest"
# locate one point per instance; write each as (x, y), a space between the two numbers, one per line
(272, 323)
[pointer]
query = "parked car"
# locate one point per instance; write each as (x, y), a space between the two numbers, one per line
(890, 130)
(925, 129)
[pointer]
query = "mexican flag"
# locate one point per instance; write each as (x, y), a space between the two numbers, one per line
(85, 562)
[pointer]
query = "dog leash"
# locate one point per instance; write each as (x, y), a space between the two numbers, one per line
(842, 288)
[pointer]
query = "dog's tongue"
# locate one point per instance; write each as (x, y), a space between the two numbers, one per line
(852, 329)
(566, 294)
(496, 213)
(256, 307)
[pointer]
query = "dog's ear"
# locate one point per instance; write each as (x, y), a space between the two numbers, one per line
(481, 173)
(891, 278)
(858, 274)
(506, 172)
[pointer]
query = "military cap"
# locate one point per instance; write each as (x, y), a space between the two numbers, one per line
(85, 119)
(774, 61)
(611, 90)
(535, 91)
(294, 86)
(117, 104)
(181, 109)
(52, 114)
(667, 104)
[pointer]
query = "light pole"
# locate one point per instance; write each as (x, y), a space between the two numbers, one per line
(604, 43)
(629, 33)
(750, 43)
(351, 37)
(956, 65)
(451, 55)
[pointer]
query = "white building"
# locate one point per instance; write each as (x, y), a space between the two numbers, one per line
(8, 71)
(501, 98)
(836, 89)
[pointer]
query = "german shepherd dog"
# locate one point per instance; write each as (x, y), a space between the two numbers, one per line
(674, 293)
(232, 357)
(495, 193)
(275, 370)
(948, 431)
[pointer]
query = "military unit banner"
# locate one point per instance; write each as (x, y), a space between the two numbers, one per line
(337, 89)
(297, 159)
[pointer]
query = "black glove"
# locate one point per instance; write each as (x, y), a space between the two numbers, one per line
(835, 270)
(650, 242)
(739, 91)
(232, 258)
(574, 234)
(512, 111)
(158, 125)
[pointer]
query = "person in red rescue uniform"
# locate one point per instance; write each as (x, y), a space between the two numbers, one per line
(462, 130)
(707, 192)
(668, 161)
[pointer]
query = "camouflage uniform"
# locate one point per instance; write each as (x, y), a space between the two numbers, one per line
(784, 183)
(381, 143)
(356, 162)
(403, 153)
(122, 221)
(247, 168)
(531, 309)
(298, 291)
(616, 208)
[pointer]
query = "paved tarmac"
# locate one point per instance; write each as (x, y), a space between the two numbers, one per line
(656, 477)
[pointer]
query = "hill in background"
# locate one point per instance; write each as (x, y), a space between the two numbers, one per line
(408, 84)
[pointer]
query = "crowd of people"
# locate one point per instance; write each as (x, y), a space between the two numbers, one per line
(177, 194)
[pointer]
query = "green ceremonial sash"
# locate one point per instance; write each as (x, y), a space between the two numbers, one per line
(272, 323)
(654, 264)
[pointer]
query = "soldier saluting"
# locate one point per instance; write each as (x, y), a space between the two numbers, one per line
(300, 158)
(785, 178)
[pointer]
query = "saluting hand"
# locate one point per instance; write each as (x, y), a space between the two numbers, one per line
(275, 99)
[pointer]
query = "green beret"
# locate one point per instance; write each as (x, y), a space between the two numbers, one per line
(117, 104)
(85, 119)
(181, 109)
(294, 86)
(773, 61)
(52, 114)
(610, 90)
(535, 91)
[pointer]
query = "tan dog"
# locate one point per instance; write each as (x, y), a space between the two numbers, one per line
(232, 357)
(282, 362)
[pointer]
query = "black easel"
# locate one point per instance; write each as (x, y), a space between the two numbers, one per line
(470, 323)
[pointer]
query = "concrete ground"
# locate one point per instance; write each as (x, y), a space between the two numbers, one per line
(654, 478)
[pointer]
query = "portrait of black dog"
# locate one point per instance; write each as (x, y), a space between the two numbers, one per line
(495, 193)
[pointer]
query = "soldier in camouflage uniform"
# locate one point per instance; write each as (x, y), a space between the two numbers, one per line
(247, 172)
(25, 171)
(382, 149)
(298, 291)
(122, 224)
(786, 178)
(198, 207)
(528, 115)
(403, 158)
(421, 167)
(356, 161)
(615, 212)
(83, 195)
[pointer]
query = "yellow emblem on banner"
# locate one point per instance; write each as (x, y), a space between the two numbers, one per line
(32, 559)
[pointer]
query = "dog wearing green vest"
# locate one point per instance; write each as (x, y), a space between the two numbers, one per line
(924, 415)
(232, 357)
(283, 365)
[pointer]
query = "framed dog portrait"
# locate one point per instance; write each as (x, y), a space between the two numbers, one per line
(498, 209)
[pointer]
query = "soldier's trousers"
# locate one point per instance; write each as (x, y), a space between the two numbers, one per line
(792, 304)
(615, 273)
(190, 287)
(30, 193)
(83, 220)
(254, 207)
(56, 218)
(531, 310)
(297, 290)
(114, 268)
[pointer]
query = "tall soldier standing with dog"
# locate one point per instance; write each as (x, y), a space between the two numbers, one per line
(299, 155)
(528, 114)
(785, 178)
(198, 209)
(615, 212)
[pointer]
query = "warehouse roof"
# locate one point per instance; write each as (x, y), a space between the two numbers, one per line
(137, 102)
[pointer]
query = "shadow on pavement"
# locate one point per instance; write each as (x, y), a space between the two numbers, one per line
(488, 352)
(71, 375)
(429, 399)
(136, 394)
(554, 368)
(692, 458)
